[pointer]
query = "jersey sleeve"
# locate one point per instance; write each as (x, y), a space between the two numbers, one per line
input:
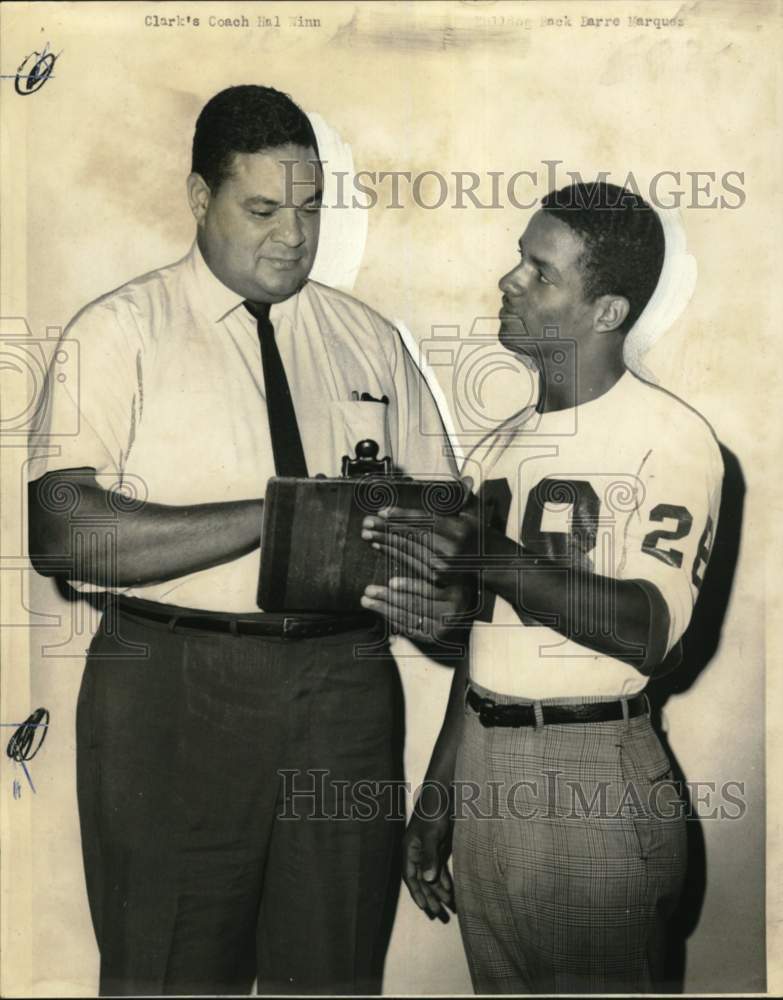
(668, 536)
(90, 416)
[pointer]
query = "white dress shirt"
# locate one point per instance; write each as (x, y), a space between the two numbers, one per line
(170, 406)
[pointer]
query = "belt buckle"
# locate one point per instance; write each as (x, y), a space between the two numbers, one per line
(486, 708)
(293, 628)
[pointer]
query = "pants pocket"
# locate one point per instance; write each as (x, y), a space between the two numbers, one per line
(650, 800)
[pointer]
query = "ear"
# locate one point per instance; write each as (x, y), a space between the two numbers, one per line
(198, 196)
(610, 313)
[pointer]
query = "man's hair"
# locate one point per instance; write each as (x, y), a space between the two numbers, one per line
(246, 119)
(623, 239)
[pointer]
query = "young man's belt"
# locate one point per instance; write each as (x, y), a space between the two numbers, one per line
(293, 626)
(491, 713)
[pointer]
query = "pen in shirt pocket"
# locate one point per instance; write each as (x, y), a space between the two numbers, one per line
(367, 398)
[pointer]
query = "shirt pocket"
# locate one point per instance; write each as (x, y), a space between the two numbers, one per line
(355, 421)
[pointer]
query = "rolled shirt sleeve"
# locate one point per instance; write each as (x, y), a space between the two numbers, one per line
(90, 417)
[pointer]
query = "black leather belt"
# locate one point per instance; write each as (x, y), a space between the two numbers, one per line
(282, 626)
(490, 713)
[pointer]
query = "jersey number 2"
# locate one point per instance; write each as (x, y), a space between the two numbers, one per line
(586, 505)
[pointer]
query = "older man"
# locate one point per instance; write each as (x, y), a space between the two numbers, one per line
(201, 719)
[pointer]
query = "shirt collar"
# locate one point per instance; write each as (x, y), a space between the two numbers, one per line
(218, 299)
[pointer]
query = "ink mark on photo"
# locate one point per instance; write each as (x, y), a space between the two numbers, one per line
(34, 71)
(25, 743)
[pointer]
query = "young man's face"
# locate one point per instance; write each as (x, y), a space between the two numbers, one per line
(259, 231)
(545, 289)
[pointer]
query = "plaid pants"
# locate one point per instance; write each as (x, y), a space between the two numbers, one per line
(569, 855)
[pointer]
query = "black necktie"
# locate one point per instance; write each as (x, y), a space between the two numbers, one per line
(283, 428)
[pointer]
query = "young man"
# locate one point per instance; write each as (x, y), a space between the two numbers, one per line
(198, 382)
(569, 846)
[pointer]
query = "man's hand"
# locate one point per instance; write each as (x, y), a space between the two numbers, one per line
(427, 544)
(426, 850)
(431, 590)
(419, 610)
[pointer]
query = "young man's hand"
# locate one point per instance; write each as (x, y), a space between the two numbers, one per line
(426, 850)
(430, 553)
(429, 587)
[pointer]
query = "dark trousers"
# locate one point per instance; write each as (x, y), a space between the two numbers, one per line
(238, 810)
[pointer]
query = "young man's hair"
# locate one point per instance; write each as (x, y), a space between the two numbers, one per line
(623, 238)
(246, 119)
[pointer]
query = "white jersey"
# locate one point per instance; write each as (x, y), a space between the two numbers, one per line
(630, 484)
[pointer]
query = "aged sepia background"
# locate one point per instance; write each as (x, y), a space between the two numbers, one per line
(93, 194)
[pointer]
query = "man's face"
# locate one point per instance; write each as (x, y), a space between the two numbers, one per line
(545, 289)
(259, 231)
